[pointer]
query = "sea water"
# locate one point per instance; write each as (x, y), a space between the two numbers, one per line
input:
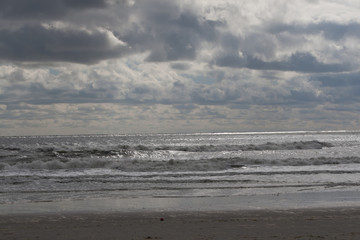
(56, 168)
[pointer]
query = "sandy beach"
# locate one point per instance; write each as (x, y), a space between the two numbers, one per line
(314, 223)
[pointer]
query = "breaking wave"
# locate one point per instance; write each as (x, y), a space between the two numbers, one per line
(127, 150)
(213, 164)
(250, 147)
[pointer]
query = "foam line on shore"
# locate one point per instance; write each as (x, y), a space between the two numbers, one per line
(164, 204)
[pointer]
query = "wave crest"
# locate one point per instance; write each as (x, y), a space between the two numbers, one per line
(213, 164)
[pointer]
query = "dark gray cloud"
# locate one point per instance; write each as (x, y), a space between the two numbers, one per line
(162, 28)
(168, 31)
(37, 43)
(258, 49)
(44, 9)
(299, 62)
(180, 66)
(343, 88)
(338, 80)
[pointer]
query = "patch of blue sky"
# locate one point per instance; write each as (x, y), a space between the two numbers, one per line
(54, 72)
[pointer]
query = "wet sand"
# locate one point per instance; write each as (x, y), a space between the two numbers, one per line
(300, 224)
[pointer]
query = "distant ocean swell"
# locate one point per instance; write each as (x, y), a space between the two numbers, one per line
(142, 158)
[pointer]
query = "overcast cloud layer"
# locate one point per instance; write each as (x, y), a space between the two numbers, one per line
(116, 66)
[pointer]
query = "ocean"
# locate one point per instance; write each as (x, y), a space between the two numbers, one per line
(56, 168)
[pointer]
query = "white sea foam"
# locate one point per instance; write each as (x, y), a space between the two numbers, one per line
(173, 165)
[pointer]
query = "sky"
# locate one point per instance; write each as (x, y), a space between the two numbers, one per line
(169, 66)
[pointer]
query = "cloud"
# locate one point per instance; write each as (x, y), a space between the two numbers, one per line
(299, 62)
(330, 30)
(169, 32)
(156, 65)
(180, 66)
(37, 43)
(153, 84)
(163, 29)
(338, 80)
(341, 88)
(43, 9)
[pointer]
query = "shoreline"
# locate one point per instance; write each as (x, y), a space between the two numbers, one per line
(282, 201)
(300, 216)
(313, 223)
